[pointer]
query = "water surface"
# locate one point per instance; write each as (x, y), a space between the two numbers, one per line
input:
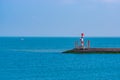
(40, 58)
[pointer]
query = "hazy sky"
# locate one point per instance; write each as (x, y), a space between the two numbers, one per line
(59, 17)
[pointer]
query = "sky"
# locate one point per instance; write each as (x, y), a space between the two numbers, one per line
(60, 18)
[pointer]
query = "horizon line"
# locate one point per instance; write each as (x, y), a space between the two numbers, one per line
(59, 36)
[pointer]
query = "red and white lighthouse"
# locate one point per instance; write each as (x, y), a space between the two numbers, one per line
(82, 40)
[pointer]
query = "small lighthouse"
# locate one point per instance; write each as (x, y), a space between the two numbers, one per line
(82, 40)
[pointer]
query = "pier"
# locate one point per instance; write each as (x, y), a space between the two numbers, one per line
(88, 49)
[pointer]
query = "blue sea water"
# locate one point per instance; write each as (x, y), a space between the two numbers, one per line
(40, 58)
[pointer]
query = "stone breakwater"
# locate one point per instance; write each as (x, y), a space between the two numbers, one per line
(93, 50)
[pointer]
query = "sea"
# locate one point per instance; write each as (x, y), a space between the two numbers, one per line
(41, 58)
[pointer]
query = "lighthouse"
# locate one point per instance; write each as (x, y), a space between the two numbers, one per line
(82, 40)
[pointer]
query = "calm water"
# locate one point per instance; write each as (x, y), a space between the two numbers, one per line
(41, 59)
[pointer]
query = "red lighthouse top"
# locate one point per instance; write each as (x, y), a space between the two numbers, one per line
(82, 34)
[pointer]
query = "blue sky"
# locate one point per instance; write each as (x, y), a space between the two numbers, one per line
(59, 17)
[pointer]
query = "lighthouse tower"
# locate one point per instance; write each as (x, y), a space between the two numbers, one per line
(82, 40)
